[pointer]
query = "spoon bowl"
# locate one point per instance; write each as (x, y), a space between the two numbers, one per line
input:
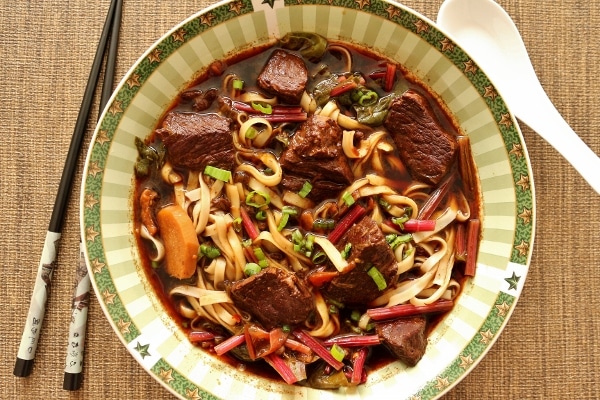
(488, 34)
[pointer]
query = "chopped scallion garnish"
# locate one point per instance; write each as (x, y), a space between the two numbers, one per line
(283, 221)
(306, 188)
(263, 108)
(346, 252)
(209, 251)
(319, 257)
(286, 211)
(383, 203)
(337, 352)
(251, 269)
(258, 199)
(348, 199)
(217, 173)
(320, 223)
(289, 210)
(237, 224)
(297, 236)
(238, 84)
(251, 133)
(379, 280)
(263, 262)
(396, 240)
(400, 220)
(336, 303)
(309, 242)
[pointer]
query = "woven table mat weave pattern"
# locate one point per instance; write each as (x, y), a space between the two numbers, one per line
(550, 348)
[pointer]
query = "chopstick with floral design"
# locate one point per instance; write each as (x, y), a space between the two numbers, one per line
(47, 265)
(81, 293)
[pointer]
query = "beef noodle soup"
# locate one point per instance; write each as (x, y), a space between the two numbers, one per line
(308, 208)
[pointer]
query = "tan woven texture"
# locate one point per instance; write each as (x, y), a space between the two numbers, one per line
(550, 348)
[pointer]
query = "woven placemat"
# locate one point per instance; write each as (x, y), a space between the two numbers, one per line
(549, 348)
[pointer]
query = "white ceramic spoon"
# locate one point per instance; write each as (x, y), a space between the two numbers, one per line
(487, 33)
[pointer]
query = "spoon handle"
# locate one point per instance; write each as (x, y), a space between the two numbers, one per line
(550, 125)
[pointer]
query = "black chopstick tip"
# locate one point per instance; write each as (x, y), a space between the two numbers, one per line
(23, 367)
(72, 381)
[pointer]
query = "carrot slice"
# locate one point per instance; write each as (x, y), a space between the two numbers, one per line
(180, 240)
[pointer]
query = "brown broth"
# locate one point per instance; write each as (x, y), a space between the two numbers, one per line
(246, 65)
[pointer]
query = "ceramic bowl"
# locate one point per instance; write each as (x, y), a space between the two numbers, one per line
(135, 312)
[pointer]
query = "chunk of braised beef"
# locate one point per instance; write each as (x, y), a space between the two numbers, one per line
(284, 75)
(203, 100)
(273, 297)
(315, 154)
(369, 249)
(426, 148)
(221, 203)
(195, 140)
(321, 189)
(405, 338)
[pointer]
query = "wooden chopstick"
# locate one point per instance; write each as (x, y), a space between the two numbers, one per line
(37, 307)
(73, 375)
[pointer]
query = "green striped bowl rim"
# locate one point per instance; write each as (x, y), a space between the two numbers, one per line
(462, 338)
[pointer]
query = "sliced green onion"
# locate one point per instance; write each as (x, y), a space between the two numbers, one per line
(355, 315)
(346, 252)
(286, 211)
(247, 242)
(261, 215)
(297, 236)
(348, 199)
(377, 278)
(209, 251)
(333, 309)
(309, 241)
(319, 258)
(320, 223)
(260, 256)
(251, 269)
(263, 108)
(400, 220)
(384, 203)
(258, 199)
(396, 240)
(237, 224)
(283, 221)
(238, 84)
(217, 173)
(336, 303)
(306, 188)
(289, 210)
(251, 133)
(408, 253)
(337, 352)
(286, 328)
